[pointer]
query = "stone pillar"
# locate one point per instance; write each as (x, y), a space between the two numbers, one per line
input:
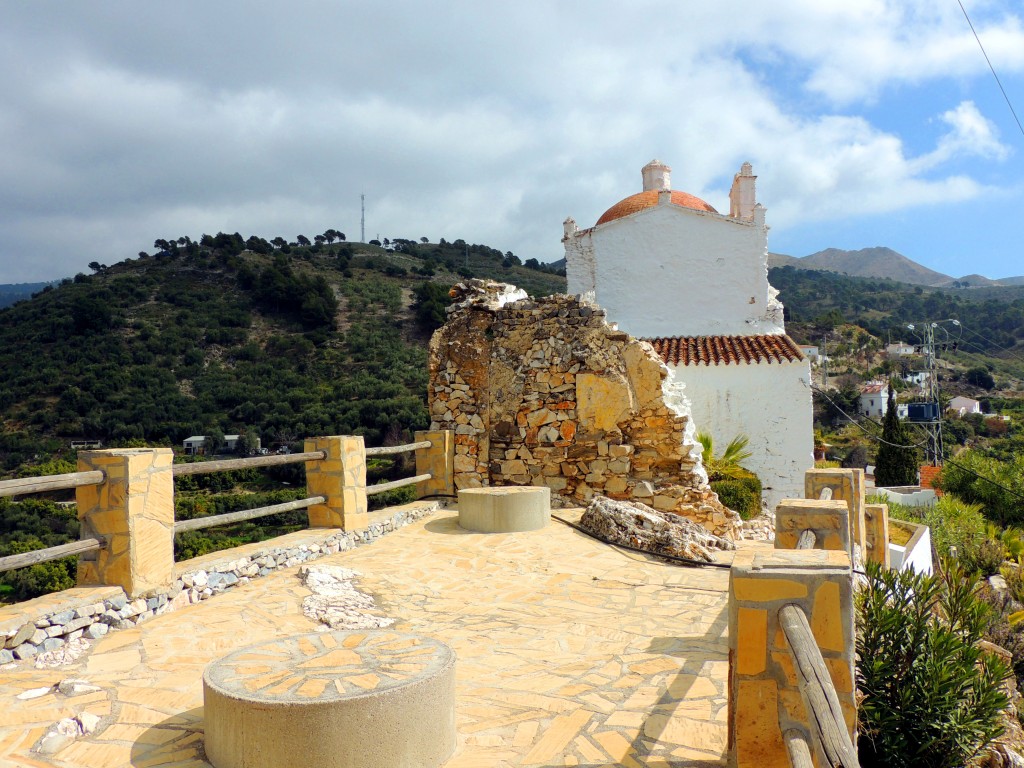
(764, 698)
(876, 519)
(830, 521)
(438, 460)
(847, 485)
(341, 479)
(133, 512)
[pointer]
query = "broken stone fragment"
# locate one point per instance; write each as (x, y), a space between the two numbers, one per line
(658, 532)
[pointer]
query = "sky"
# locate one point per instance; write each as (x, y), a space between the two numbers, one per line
(868, 123)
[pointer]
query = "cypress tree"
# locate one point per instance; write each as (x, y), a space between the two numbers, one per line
(896, 462)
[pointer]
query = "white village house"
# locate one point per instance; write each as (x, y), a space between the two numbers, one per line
(964, 405)
(670, 269)
(874, 399)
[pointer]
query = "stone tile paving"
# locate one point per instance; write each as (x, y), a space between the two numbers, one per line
(569, 653)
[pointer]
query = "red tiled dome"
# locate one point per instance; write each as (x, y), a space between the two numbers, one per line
(649, 199)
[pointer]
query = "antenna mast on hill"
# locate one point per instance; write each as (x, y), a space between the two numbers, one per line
(362, 218)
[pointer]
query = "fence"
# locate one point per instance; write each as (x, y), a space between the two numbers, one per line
(792, 630)
(126, 502)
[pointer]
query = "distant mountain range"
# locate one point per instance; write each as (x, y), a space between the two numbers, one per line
(14, 292)
(884, 262)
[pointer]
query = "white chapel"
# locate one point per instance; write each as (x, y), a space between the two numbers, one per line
(670, 269)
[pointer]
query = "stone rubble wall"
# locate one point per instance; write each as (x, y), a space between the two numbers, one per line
(546, 392)
(51, 632)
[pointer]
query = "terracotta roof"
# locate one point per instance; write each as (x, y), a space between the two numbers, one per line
(726, 350)
(872, 389)
(649, 199)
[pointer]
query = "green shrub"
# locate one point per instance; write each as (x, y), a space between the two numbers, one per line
(986, 558)
(955, 523)
(742, 493)
(931, 696)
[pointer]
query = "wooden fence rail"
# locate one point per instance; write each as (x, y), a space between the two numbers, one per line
(198, 523)
(816, 690)
(226, 465)
(384, 450)
(25, 485)
(25, 559)
(381, 487)
(798, 749)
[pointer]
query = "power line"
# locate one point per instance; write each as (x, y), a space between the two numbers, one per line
(986, 479)
(993, 69)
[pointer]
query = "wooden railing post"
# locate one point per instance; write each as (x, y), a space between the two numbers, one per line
(132, 512)
(765, 700)
(438, 461)
(341, 479)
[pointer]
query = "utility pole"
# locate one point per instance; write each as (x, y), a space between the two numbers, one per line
(362, 218)
(824, 362)
(931, 419)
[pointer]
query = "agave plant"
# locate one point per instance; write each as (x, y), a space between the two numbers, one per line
(728, 464)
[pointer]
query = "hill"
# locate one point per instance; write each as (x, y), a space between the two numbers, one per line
(235, 336)
(283, 340)
(881, 262)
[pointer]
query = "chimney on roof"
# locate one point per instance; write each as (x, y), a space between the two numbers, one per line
(657, 176)
(743, 196)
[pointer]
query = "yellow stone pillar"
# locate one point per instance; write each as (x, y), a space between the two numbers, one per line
(829, 520)
(876, 518)
(765, 700)
(847, 485)
(341, 479)
(133, 513)
(438, 460)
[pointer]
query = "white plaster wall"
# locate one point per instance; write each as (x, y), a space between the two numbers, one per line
(918, 559)
(672, 271)
(770, 404)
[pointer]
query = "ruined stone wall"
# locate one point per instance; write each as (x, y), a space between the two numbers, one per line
(545, 392)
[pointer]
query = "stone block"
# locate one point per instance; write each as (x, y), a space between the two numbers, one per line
(341, 479)
(876, 533)
(133, 512)
(829, 520)
(504, 509)
(846, 485)
(767, 700)
(438, 460)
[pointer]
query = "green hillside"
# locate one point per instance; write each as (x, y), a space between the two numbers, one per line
(236, 336)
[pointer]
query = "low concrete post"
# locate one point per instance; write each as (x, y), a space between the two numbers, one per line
(438, 460)
(764, 697)
(847, 485)
(829, 520)
(133, 512)
(876, 518)
(341, 479)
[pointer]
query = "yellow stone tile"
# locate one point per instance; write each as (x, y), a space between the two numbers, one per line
(752, 641)
(554, 739)
(826, 619)
(764, 590)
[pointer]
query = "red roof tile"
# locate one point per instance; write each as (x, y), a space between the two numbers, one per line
(649, 199)
(726, 350)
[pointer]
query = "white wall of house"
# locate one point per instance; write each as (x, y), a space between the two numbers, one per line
(770, 404)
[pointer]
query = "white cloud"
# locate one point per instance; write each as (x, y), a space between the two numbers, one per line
(486, 122)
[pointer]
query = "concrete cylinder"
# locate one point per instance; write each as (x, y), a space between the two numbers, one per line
(363, 699)
(504, 508)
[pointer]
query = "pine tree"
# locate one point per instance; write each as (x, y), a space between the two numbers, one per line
(896, 463)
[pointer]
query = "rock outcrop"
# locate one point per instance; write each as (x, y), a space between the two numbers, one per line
(660, 533)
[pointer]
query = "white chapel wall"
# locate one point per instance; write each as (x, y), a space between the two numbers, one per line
(771, 404)
(667, 271)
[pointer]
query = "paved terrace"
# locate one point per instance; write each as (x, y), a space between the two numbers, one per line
(570, 652)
